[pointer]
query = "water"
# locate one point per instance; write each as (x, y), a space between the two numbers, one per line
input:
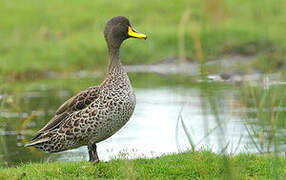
(155, 128)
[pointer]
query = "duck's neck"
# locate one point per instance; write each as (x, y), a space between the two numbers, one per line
(114, 61)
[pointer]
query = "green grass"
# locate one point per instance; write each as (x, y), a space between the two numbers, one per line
(37, 36)
(187, 165)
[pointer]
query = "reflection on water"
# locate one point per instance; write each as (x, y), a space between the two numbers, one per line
(154, 129)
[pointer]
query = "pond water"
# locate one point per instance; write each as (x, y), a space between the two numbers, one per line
(168, 118)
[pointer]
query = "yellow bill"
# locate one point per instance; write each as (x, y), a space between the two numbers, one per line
(135, 34)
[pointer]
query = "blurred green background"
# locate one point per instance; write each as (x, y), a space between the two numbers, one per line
(67, 35)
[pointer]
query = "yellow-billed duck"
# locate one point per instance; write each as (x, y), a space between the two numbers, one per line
(98, 112)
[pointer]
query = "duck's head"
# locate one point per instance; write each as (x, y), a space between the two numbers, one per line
(117, 29)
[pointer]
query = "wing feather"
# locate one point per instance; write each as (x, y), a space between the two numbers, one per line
(77, 102)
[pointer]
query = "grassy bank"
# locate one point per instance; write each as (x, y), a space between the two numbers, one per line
(188, 165)
(36, 36)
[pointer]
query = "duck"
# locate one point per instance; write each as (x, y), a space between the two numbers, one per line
(98, 112)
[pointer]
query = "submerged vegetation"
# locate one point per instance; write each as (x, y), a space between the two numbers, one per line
(266, 123)
(187, 165)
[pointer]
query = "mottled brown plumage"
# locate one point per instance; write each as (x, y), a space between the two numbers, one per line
(98, 112)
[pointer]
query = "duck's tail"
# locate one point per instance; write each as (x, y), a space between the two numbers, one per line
(36, 141)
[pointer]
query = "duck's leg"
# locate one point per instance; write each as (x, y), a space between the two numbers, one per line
(93, 157)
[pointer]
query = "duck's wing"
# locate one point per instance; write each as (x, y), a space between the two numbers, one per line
(77, 102)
